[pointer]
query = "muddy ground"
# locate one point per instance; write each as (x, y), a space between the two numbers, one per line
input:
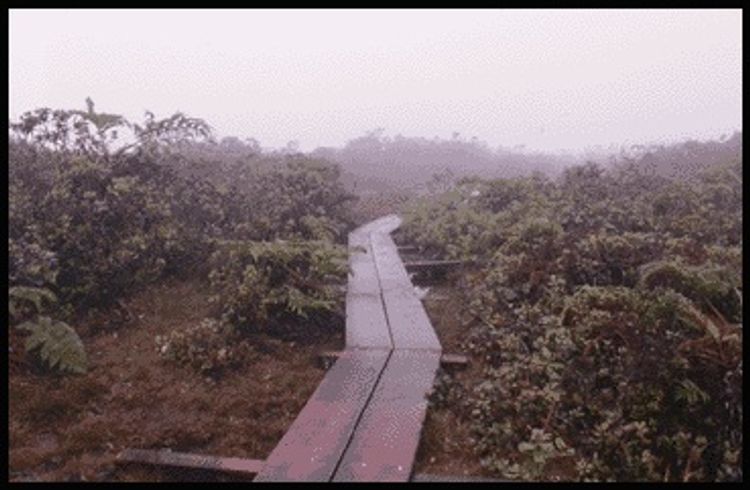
(70, 428)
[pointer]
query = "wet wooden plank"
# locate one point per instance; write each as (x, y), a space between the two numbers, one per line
(391, 270)
(366, 324)
(454, 361)
(407, 249)
(408, 320)
(386, 224)
(410, 326)
(385, 442)
(312, 447)
(358, 239)
(446, 360)
(433, 264)
(363, 277)
(186, 460)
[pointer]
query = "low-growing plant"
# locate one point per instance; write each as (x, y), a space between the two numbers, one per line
(607, 318)
(52, 342)
(274, 286)
(207, 347)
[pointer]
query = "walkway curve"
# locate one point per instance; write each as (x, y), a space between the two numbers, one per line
(364, 421)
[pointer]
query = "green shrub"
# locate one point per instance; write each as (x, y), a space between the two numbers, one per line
(271, 286)
(607, 316)
(208, 348)
(51, 342)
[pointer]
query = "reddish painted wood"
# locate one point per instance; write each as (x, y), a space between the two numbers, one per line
(385, 442)
(186, 460)
(313, 445)
(364, 420)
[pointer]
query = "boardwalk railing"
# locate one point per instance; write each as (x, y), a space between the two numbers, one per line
(363, 422)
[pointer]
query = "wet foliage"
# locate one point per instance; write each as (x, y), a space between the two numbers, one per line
(606, 307)
(100, 206)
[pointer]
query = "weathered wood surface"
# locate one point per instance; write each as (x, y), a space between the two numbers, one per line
(154, 457)
(446, 360)
(363, 423)
(385, 442)
(366, 324)
(312, 447)
(407, 319)
(433, 264)
(409, 323)
(363, 275)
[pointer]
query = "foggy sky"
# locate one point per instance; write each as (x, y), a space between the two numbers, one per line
(549, 79)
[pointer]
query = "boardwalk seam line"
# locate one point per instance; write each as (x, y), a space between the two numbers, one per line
(382, 371)
(380, 286)
(359, 417)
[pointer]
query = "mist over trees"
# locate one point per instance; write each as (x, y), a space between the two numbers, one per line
(375, 162)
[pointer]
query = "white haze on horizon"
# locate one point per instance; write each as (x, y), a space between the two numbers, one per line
(545, 79)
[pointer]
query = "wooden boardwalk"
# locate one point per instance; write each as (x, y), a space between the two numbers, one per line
(363, 423)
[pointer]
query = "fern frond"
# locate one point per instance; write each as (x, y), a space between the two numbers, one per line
(58, 343)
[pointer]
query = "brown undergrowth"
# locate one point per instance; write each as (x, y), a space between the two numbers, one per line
(65, 428)
(445, 447)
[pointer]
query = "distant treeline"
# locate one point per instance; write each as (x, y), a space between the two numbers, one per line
(374, 162)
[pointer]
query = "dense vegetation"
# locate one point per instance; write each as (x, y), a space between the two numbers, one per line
(607, 308)
(605, 302)
(100, 206)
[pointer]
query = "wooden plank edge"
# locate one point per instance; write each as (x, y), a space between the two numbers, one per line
(434, 264)
(328, 357)
(165, 457)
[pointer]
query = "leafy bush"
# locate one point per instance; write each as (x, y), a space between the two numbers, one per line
(93, 218)
(712, 287)
(53, 342)
(619, 378)
(207, 348)
(268, 286)
(607, 314)
(58, 344)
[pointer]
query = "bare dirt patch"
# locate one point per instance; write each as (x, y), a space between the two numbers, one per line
(72, 427)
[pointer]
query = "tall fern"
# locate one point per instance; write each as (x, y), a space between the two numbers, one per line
(57, 343)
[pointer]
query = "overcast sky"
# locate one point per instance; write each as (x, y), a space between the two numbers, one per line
(549, 79)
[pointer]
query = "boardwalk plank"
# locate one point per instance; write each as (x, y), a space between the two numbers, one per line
(385, 442)
(391, 270)
(366, 324)
(364, 421)
(162, 457)
(363, 276)
(313, 445)
(408, 320)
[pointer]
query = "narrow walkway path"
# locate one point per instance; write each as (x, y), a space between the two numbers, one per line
(364, 421)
